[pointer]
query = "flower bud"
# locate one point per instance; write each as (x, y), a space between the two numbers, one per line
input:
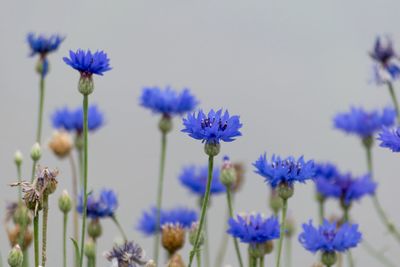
(94, 229)
(18, 158)
(285, 191)
(228, 173)
(15, 257)
(172, 237)
(65, 202)
(212, 149)
(268, 247)
(193, 233)
(36, 152)
(256, 250)
(61, 143)
(86, 85)
(21, 215)
(176, 261)
(329, 258)
(90, 249)
(275, 202)
(42, 66)
(165, 124)
(239, 168)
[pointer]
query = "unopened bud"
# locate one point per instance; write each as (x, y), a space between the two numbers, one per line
(212, 149)
(193, 233)
(61, 143)
(275, 202)
(18, 158)
(329, 258)
(65, 202)
(42, 66)
(90, 249)
(94, 229)
(228, 173)
(36, 152)
(165, 124)
(15, 257)
(285, 190)
(21, 215)
(86, 85)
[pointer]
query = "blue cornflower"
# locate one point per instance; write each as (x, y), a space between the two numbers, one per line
(87, 63)
(212, 128)
(181, 216)
(285, 171)
(167, 101)
(329, 237)
(346, 187)
(102, 207)
(128, 254)
(195, 179)
(254, 228)
(72, 120)
(387, 67)
(43, 45)
(326, 170)
(364, 123)
(390, 138)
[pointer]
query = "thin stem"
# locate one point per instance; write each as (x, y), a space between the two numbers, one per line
(36, 238)
(90, 262)
(33, 170)
(282, 233)
(346, 216)
(159, 193)
(121, 230)
(80, 159)
(206, 243)
(203, 209)
(40, 115)
(376, 254)
(44, 227)
(350, 258)
(25, 263)
(252, 261)
(394, 100)
(262, 261)
(321, 209)
(288, 252)
(198, 258)
(230, 208)
(74, 198)
(19, 173)
(223, 245)
(65, 239)
(85, 173)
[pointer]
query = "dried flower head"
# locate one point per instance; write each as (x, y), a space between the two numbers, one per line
(172, 237)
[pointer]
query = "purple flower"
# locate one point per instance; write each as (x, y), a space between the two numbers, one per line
(390, 138)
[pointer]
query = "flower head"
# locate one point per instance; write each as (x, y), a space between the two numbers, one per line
(390, 138)
(128, 254)
(167, 101)
(288, 171)
(329, 237)
(212, 128)
(346, 187)
(72, 120)
(195, 179)
(254, 228)
(182, 216)
(43, 45)
(88, 63)
(364, 123)
(386, 68)
(102, 207)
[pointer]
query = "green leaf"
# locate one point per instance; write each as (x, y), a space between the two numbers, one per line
(77, 254)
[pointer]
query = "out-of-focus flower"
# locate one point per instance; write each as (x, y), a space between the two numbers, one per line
(128, 254)
(61, 143)
(390, 138)
(102, 207)
(195, 179)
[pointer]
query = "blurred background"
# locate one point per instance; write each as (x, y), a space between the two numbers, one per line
(286, 67)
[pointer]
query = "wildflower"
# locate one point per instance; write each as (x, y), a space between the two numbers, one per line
(104, 206)
(364, 123)
(65, 202)
(168, 102)
(128, 254)
(182, 216)
(390, 138)
(61, 143)
(195, 179)
(15, 257)
(172, 237)
(43, 45)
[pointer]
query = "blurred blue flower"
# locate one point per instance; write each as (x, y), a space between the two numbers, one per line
(195, 179)
(390, 138)
(326, 170)
(254, 228)
(212, 128)
(346, 188)
(43, 45)
(102, 207)
(128, 254)
(167, 101)
(386, 68)
(287, 170)
(72, 120)
(329, 237)
(364, 123)
(87, 63)
(182, 216)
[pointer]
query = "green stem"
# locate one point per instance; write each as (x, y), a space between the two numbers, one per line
(85, 173)
(90, 262)
(321, 209)
(25, 263)
(33, 170)
(378, 207)
(19, 173)
(40, 115)
(288, 252)
(74, 199)
(230, 208)
(376, 254)
(223, 245)
(36, 238)
(206, 243)
(261, 261)
(121, 230)
(252, 261)
(203, 210)
(350, 258)
(282, 233)
(80, 159)
(394, 100)
(198, 258)
(65, 239)
(44, 227)
(159, 193)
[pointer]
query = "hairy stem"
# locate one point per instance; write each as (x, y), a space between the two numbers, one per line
(36, 238)
(44, 228)
(120, 229)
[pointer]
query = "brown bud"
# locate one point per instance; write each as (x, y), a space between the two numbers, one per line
(14, 235)
(61, 143)
(240, 170)
(172, 237)
(176, 261)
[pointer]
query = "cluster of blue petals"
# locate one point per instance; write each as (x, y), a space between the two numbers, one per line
(329, 238)
(254, 228)
(212, 128)
(288, 170)
(195, 179)
(43, 45)
(364, 123)
(102, 207)
(72, 120)
(390, 138)
(88, 63)
(387, 60)
(168, 101)
(127, 254)
(182, 216)
(346, 187)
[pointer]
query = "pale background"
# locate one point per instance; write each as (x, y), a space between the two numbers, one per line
(285, 66)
